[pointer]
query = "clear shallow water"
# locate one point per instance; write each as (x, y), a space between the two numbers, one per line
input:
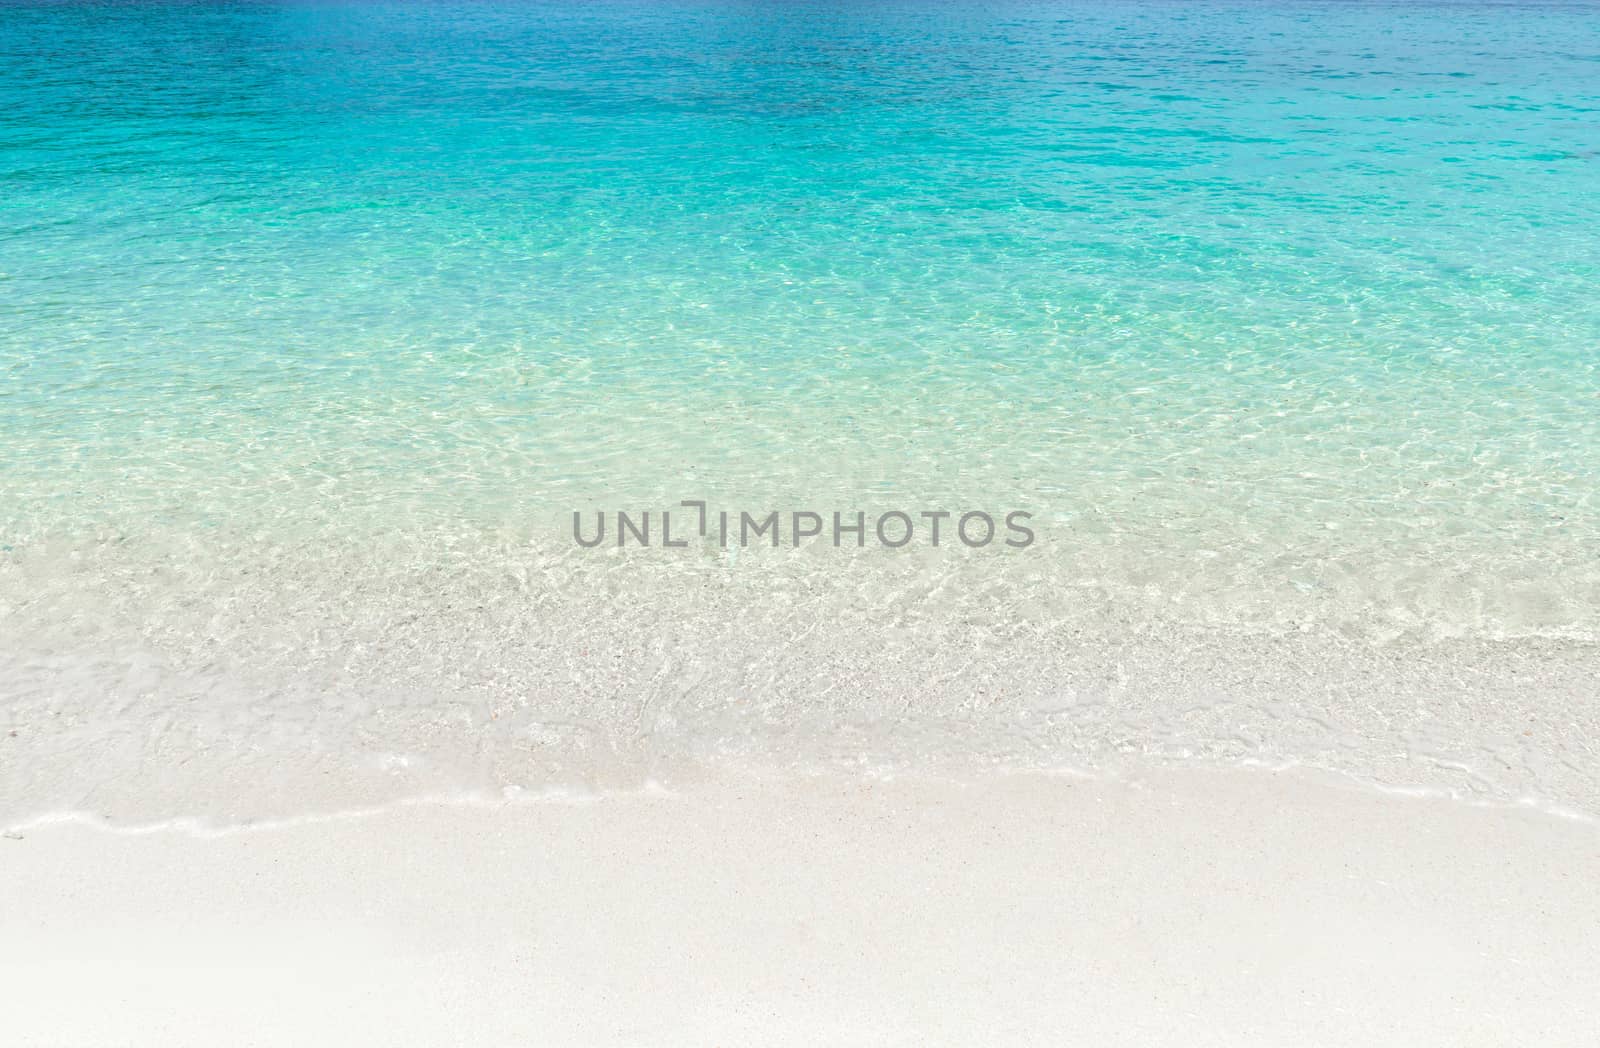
(317, 322)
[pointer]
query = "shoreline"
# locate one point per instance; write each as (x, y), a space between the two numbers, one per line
(689, 781)
(133, 735)
(1182, 907)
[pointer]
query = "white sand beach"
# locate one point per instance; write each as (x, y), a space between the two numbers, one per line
(1169, 908)
(511, 524)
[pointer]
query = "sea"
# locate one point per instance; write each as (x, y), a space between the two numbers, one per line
(1244, 353)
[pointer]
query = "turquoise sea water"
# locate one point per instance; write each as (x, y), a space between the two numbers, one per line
(317, 321)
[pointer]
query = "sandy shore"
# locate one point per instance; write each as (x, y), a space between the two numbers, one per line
(1191, 908)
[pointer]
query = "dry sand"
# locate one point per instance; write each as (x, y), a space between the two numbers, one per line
(1173, 908)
